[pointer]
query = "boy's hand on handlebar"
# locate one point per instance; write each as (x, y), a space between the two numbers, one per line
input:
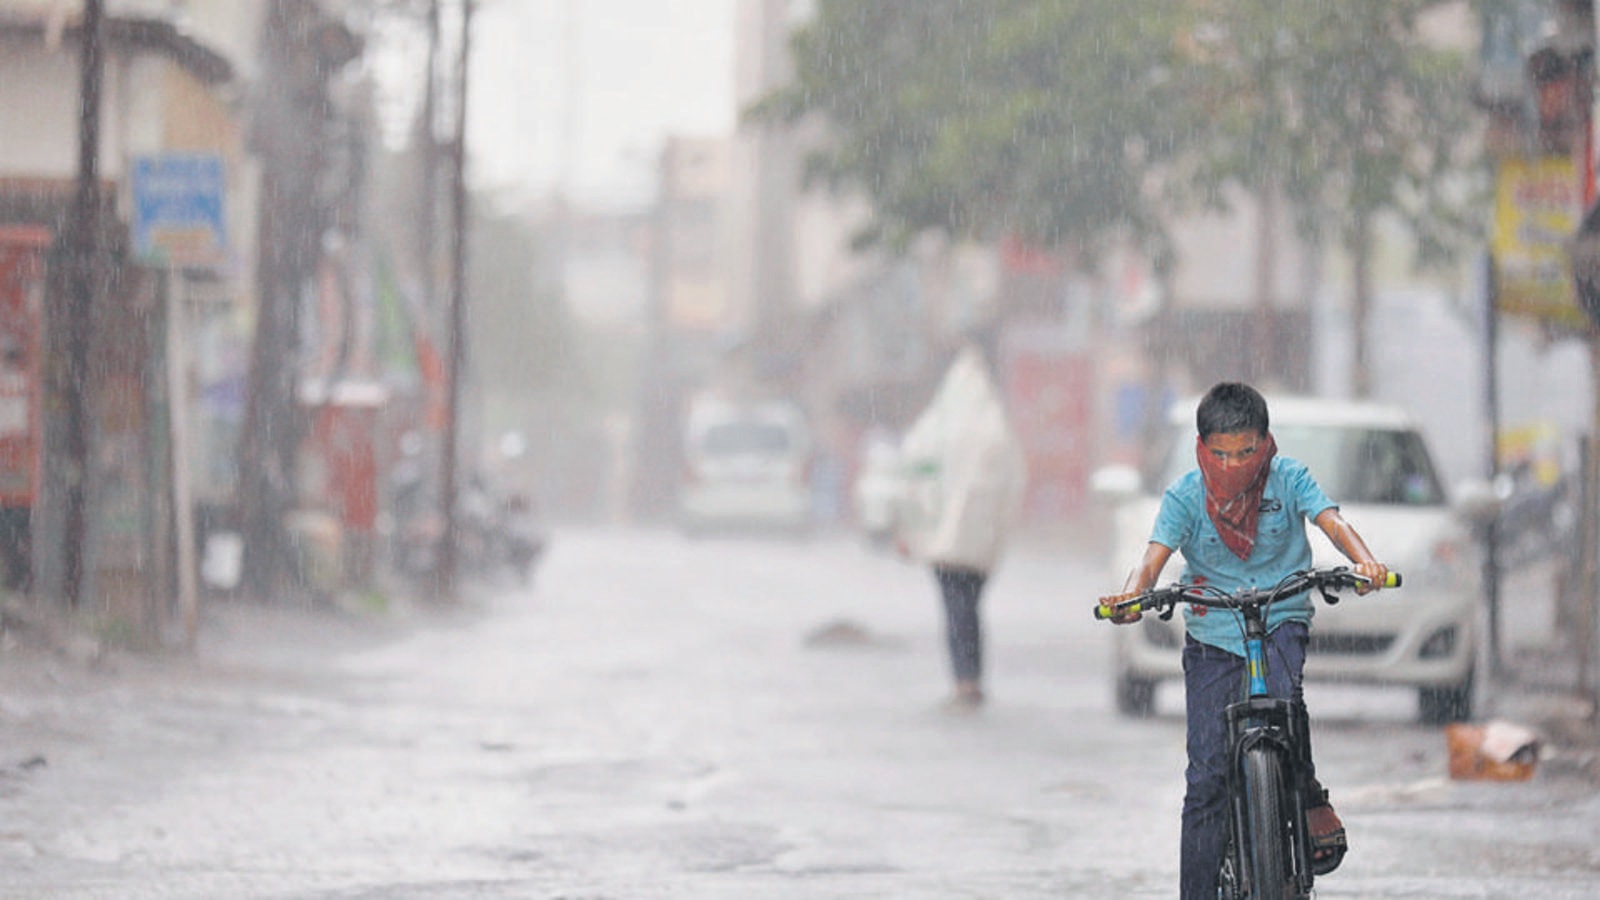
(1126, 618)
(1376, 573)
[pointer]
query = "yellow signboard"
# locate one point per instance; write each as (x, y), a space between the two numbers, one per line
(1537, 206)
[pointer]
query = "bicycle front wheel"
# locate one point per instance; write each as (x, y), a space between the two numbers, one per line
(1266, 834)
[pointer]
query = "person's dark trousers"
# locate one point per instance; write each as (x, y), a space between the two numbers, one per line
(961, 589)
(1212, 679)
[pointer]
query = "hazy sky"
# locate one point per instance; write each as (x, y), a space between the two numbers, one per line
(583, 91)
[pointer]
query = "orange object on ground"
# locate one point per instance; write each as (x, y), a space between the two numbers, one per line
(1494, 752)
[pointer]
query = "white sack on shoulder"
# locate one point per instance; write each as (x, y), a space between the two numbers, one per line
(964, 471)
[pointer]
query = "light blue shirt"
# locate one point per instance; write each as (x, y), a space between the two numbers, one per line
(1291, 498)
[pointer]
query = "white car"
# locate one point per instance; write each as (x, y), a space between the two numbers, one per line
(1373, 462)
(747, 467)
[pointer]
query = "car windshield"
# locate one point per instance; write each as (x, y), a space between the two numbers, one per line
(742, 438)
(1352, 464)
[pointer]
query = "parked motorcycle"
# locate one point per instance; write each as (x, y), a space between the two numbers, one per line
(1537, 519)
(522, 536)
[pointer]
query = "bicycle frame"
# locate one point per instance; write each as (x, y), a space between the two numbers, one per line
(1261, 720)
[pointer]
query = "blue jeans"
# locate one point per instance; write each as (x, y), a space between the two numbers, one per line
(1212, 679)
(961, 589)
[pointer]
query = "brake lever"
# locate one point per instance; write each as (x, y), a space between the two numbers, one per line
(1330, 599)
(1166, 614)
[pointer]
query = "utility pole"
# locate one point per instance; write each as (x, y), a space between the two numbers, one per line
(1563, 82)
(1491, 414)
(302, 48)
(84, 275)
(428, 151)
(445, 575)
(1589, 527)
(1589, 539)
(289, 141)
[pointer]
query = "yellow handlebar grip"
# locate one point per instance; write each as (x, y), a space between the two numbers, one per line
(1392, 581)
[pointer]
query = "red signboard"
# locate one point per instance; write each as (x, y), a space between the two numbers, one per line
(1049, 390)
(22, 272)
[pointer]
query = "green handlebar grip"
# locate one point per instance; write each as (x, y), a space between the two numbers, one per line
(1106, 612)
(1393, 580)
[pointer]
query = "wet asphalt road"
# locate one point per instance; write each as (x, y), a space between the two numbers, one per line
(658, 717)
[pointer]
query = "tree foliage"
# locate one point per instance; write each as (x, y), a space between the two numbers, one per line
(1038, 119)
(1067, 122)
(1347, 110)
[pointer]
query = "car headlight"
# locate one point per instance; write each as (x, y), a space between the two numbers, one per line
(1439, 645)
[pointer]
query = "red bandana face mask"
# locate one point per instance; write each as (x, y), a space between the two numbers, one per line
(1233, 493)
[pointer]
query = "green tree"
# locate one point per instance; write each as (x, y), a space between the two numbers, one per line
(1351, 115)
(1067, 122)
(1043, 120)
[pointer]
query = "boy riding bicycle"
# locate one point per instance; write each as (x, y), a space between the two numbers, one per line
(1239, 520)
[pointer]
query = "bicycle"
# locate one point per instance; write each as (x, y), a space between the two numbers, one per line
(1269, 852)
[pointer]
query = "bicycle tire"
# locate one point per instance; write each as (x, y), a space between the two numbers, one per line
(1266, 833)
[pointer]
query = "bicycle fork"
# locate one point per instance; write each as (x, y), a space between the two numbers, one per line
(1278, 724)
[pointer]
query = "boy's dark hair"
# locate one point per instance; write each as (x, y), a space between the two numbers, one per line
(1229, 408)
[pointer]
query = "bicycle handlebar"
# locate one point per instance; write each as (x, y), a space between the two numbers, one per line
(1156, 599)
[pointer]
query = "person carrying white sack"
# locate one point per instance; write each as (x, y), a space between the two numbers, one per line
(964, 474)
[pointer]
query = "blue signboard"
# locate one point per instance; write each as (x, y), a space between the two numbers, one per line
(178, 209)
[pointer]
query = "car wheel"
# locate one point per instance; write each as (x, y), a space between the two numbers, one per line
(1450, 703)
(1136, 697)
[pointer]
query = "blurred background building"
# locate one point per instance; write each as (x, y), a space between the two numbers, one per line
(304, 249)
